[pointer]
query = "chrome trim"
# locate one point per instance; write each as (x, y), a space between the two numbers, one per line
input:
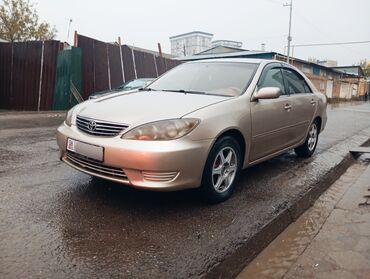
(99, 127)
(95, 168)
(160, 176)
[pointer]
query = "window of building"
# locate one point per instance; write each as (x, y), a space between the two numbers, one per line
(316, 71)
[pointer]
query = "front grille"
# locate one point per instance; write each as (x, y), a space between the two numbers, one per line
(99, 127)
(95, 168)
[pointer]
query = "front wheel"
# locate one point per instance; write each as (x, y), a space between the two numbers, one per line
(222, 170)
(308, 148)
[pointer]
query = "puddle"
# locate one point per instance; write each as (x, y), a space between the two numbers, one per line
(278, 257)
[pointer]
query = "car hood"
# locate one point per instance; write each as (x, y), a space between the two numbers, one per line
(145, 106)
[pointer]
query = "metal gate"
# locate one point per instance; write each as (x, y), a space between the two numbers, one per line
(68, 72)
(329, 89)
(345, 91)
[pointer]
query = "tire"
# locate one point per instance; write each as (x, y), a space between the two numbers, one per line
(308, 148)
(221, 173)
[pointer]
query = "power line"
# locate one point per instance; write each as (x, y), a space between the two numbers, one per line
(332, 44)
(320, 31)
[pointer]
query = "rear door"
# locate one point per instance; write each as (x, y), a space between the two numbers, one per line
(271, 119)
(303, 103)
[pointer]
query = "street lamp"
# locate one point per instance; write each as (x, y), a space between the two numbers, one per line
(290, 5)
(69, 28)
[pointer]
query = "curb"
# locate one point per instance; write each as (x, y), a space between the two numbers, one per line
(234, 263)
(31, 120)
(28, 112)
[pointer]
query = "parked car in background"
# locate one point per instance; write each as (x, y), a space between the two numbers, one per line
(130, 85)
(198, 125)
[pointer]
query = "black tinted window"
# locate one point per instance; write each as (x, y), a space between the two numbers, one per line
(273, 78)
(295, 82)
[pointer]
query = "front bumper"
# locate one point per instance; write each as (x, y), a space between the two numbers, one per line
(155, 165)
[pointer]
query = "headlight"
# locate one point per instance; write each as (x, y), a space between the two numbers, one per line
(162, 130)
(68, 120)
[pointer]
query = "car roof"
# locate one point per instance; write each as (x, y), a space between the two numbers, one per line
(236, 60)
(142, 79)
(262, 62)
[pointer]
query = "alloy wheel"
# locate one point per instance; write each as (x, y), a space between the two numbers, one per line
(224, 169)
(312, 137)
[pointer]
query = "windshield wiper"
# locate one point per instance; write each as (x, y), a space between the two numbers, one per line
(185, 91)
(147, 89)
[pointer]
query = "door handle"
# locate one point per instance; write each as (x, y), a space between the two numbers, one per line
(288, 107)
(313, 102)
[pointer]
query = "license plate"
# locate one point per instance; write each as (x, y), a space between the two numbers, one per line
(85, 149)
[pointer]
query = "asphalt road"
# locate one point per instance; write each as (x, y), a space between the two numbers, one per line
(57, 222)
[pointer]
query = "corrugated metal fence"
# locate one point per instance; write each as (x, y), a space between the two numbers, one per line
(28, 71)
(105, 65)
(27, 75)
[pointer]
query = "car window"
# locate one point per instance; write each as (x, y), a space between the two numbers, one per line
(273, 78)
(217, 78)
(295, 82)
(136, 83)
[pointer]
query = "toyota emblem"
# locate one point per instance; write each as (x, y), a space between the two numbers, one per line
(91, 126)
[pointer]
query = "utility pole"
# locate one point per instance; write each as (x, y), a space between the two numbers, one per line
(69, 28)
(290, 28)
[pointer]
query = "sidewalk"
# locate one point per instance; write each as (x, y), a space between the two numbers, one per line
(19, 120)
(330, 240)
(342, 247)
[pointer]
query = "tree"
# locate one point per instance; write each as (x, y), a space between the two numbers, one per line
(365, 65)
(19, 21)
(367, 70)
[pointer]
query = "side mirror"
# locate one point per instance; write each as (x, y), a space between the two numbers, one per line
(268, 93)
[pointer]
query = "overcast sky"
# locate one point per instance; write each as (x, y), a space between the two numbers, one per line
(144, 23)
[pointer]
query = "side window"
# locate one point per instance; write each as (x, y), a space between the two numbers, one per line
(295, 82)
(272, 78)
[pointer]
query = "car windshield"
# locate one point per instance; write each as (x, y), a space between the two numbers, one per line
(216, 78)
(137, 83)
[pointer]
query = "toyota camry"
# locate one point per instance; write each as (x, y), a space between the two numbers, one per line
(197, 126)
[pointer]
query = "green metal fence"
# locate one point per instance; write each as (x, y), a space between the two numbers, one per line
(68, 71)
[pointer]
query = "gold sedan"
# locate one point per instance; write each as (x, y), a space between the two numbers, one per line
(198, 125)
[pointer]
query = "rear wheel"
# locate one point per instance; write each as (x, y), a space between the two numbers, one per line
(308, 148)
(222, 170)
